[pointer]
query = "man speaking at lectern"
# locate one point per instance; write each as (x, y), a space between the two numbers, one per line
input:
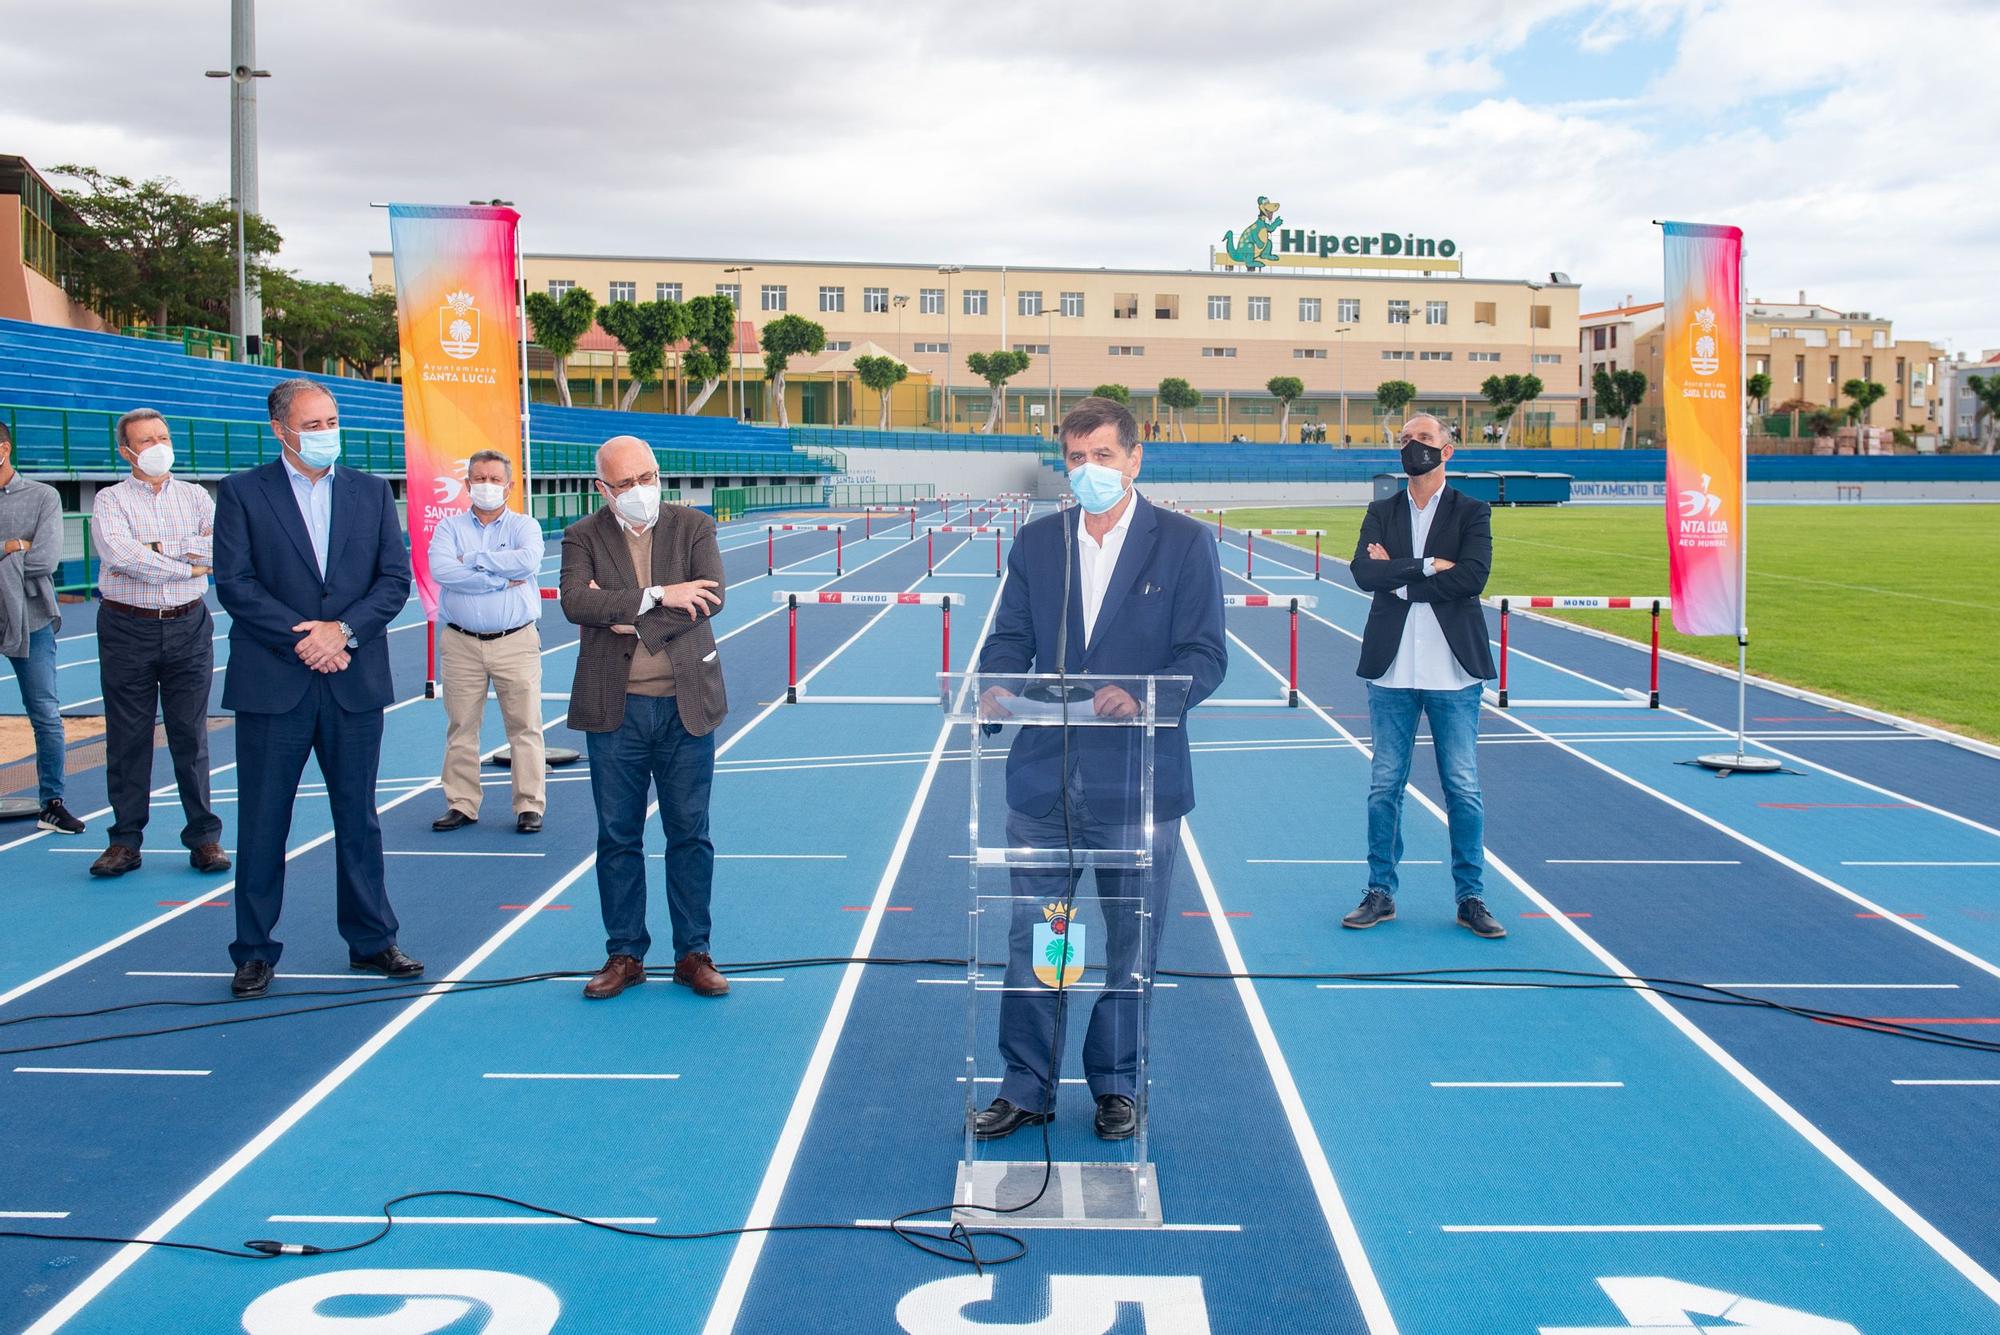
(1143, 597)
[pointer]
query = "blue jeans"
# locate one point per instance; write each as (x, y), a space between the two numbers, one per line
(1454, 718)
(652, 747)
(37, 675)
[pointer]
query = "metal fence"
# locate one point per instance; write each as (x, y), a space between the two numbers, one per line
(734, 502)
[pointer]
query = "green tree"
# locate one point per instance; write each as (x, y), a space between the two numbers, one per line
(643, 329)
(1985, 393)
(784, 338)
(1116, 393)
(1758, 387)
(1508, 392)
(881, 374)
(1286, 389)
(307, 319)
(711, 333)
(1178, 396)
(1823, 423)
(1616, 394)
(558, 323)
(149, 247)
(996, 369)
(1863, 395)
(1392, 397)
(371, 339)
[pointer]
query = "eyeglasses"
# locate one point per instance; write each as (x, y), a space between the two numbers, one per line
(647, 479)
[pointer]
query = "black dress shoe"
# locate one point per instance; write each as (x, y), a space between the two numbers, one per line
(1117, 1117)
(1473, 915)
(1001, 1118)
(1375, 906)
(390, 963)
(529, 822)
(253, 978)
(452, 820)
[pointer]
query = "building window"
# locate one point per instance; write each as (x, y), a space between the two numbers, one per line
(1399, 312)
(1435, 312)
(874, 301)
(1349, 310)
(1218, 308)
(1125, 350)
(1798, 370)
(1029, 303)
(1433, 356)
(1614, 336)
(1486, 312)
(1218, 352)
(1548, 359)
(1847, 338)
(839, 345)
(1260, 308)
(833, 300)
(1398, 355)
(931, 347)
(774, 296)
(1033, 349)
(975, 301)
(1868, 368)
(624, 292)
(1538, 317)
(1315, 354)
(1881, 339)
(1125, 306)
(1308, 310)
(1166, 306)
(1072, 305)
(1833, 370)
(930, 301)
(1482, 356)
(1597, 338)
(558, 286)
(666, 292)
(734, 291)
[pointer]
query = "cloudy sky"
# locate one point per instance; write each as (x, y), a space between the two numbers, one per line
(1852, 141)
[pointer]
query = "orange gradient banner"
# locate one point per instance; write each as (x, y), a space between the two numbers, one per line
(460, 330)
(1702, 387)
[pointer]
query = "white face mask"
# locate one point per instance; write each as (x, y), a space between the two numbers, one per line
(157, 460)
(488, 495)
(639, 506)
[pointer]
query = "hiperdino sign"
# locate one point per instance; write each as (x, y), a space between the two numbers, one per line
(1267, 241)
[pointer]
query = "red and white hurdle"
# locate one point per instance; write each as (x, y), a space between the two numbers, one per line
(792, 600)
(868, 513)
(1633, 699)
(771, 532)
(1290, 695)
(930, 544)
(1250, 536)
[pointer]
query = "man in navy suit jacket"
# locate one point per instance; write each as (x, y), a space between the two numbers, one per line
(311, 566)
(1424, 554)
(1144, 599)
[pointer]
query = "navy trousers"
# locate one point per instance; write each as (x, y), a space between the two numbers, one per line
(273, 750)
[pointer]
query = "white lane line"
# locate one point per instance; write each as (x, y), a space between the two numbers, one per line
(735, 1285)
(461, 1220)
(580, 1075)
(1644, 862)
(1346, 1238)
(789, 857)
(994, 1080)
(1025, 1223)
(225, 973)
(101, 1070)
(1838, 987)
(1631, 1228)
(1920, 864)
(1425, 987)
(1932, 1237)
(34, 1214)
(1978, 1083)
(1337, 862)
(465, 853)
(1527, 1084)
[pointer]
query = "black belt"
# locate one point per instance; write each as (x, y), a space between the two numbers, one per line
(150, 613)
(485, 634)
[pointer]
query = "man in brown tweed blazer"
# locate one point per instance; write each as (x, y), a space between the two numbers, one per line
(641, 580)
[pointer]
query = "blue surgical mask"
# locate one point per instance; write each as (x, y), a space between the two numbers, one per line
(1097, 487)
(319, 449)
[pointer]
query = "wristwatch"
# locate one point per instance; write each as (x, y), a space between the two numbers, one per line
(348, 631)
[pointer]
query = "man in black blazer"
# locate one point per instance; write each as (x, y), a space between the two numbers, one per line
(311, 566)
(1424, 553)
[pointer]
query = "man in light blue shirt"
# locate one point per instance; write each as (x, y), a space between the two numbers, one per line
(315, 499)
(487, 562)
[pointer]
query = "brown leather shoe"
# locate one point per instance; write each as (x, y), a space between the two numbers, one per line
(116, 861)
(696, 970)
(209, 858)
(619, 972)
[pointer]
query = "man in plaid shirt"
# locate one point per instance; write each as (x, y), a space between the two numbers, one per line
(156, 650)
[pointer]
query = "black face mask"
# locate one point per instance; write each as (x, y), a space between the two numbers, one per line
(1419, 458)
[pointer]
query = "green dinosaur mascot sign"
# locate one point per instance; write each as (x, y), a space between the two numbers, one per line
(1267, 241)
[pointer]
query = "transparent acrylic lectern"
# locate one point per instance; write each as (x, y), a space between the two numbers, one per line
(1060, 939)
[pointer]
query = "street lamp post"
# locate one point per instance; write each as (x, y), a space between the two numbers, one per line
(1527, 427)
(246, 313)
(1342, 332)
(1050, 355)
(740, 405)
(944, 413)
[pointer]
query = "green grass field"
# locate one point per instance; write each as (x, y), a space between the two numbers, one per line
(1897, 607)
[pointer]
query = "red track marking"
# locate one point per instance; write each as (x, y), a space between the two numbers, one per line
(886, 908)
(1839, 806)
(1544, 915)
(183, 903)
(1202, 913)
(1881, 917)
(546, 908)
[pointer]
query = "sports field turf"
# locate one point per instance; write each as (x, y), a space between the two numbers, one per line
(1889, 606)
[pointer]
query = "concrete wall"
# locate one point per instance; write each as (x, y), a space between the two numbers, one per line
(983, 473)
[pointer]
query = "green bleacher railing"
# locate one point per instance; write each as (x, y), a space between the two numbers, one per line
(734, 502)
(848, 495)
(861, 438)
(197, 342)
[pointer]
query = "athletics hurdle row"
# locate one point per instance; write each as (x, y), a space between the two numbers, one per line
(1290, 695)
(1632, 699)
(1250, 536)
(791, 600)
(930, 546)
(771, 532)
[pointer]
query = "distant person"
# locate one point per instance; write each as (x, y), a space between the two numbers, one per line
(155, 538)
(31, 546)
(487, 560)
(311, 566)
(642, 581)
(1424, 553)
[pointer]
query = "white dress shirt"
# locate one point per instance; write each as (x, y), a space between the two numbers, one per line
(1096, 560)
(1424, 660)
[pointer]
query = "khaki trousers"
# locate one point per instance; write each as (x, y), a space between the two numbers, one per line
(513, 664)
